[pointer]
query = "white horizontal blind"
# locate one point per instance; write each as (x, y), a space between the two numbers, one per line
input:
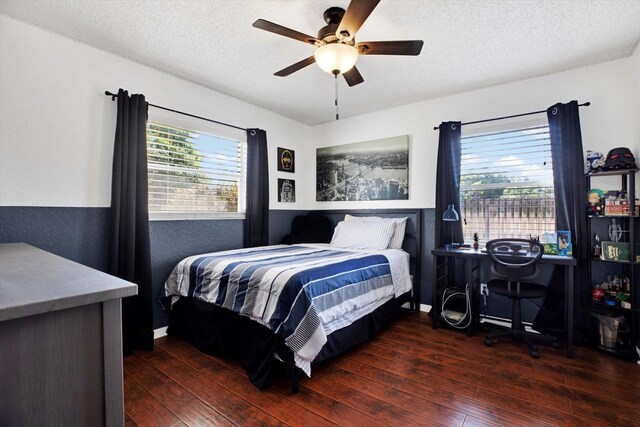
(506, 184)
(193, 173)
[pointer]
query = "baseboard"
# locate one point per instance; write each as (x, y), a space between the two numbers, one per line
(423, 307)
(160, 332)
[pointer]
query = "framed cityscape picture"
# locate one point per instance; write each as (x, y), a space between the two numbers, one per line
(370, 170)
(286, 160)
(286, 190)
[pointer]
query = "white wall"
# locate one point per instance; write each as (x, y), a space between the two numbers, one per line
(612, 120)
(635, 60)
(57, 127)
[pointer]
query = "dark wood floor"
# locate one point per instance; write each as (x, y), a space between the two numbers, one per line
(410, 375)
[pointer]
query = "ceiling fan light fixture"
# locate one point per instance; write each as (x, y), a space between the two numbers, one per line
(336, 56)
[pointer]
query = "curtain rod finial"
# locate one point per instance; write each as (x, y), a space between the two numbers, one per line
(112, 95)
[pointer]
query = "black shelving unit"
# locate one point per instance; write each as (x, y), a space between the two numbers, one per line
(629, 268)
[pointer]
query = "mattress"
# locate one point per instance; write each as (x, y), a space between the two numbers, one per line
(301, 292)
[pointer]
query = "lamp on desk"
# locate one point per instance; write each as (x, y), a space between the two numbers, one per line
(450, 215)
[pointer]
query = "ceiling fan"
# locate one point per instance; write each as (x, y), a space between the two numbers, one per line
(337, 50)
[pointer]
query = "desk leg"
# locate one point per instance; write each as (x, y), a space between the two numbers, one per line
(472, 267)
(568, 308)
(442, 270)
(434, 294)
(469, 264)
(113, 377)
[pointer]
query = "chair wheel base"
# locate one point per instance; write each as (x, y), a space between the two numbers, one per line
(535, 355)
(488, 342)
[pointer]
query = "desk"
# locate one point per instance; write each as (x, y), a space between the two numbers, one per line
(473, 258)
(60, 341)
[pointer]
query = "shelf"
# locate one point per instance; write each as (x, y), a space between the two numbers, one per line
(627, 354)
(611, 308)
(616, 172)
(613, 216)
(592, 258)
(626, 178)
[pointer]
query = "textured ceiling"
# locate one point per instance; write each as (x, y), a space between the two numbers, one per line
(468, 44)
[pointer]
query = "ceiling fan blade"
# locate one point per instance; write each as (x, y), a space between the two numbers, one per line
(284, 31)
(398, 47)
(295, 67)
(357, 12)
(353, 77)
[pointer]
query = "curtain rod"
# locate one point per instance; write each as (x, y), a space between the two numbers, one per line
(115, 95)
(586, 104)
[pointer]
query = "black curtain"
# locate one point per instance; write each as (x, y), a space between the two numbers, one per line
(448, 183)
(256, 223)
(129, 248)
(570, 192)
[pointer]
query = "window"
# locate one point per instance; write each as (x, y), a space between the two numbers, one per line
(194, 174)
(506, 183)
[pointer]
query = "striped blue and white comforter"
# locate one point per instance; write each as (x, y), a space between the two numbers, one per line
(301, 292)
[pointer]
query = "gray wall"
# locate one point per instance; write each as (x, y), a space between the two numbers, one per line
(78, 234)
(81, 235)
(497, 305)
(280, 224)
(172, 241)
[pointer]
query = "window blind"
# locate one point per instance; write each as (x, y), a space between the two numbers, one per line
(193, 172)
(506, 184)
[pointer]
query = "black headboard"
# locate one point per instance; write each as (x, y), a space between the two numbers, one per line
(412, 236)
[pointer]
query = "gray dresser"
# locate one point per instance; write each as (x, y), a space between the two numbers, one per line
(60, 341)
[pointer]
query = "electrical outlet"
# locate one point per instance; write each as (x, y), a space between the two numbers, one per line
(484, 290)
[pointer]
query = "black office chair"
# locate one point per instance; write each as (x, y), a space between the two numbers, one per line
(514, 266)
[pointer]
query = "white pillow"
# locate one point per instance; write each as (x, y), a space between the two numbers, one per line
(400, 224)
(362, 235)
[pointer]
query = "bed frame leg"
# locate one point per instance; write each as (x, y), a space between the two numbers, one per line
(290, 368)
(294, 377)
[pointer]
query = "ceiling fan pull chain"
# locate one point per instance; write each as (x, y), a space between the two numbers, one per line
(337, 110)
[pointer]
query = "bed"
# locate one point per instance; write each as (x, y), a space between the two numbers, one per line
(300, 303)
